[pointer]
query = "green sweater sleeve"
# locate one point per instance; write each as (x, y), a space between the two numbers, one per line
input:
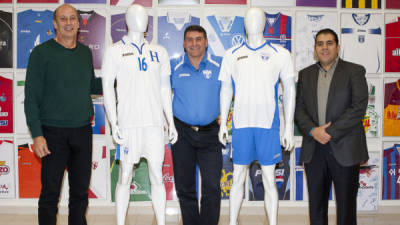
(96, 86)
(34, 92)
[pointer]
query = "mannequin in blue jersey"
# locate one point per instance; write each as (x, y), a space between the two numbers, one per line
(254, 24)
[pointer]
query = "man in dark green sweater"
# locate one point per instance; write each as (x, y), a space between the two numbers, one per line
(58, 107)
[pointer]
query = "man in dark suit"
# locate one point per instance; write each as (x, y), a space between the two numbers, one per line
(332, 97)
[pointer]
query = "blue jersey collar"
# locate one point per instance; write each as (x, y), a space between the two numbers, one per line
(261, 46)
(125, 41)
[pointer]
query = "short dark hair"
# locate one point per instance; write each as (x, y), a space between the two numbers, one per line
(195, 28)
(328, 31)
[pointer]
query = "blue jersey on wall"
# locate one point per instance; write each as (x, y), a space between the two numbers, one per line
(391, 173)
(171, 29)
(34, 28)
(224, 32)
(278, 29)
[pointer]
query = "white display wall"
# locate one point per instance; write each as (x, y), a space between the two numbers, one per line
(301, 47)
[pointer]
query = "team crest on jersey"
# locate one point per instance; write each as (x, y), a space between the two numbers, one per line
(264, 56)
(237, 39)
(126, 150)
(361, 38)
(127, 54)
(207, 74)
(166, 36)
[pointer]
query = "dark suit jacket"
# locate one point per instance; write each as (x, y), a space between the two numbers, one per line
(346, 106)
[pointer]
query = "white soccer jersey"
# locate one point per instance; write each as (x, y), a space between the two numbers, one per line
(307, 26)
(138, 71)
(273, 2)
(256, 74)
(361, 40)
(7, 169)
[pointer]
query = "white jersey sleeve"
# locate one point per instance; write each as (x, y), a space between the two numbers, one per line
(287, 71)
(225, 74)
(165, 63)
(109, 65)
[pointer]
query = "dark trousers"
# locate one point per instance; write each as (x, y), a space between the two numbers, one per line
(70, 148)
(203, 148)
(321, 171)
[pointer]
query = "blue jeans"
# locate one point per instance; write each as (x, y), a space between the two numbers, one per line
(203, 148)
(70, 148)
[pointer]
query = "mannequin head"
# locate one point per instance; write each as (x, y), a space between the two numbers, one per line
(254, 21)
(136, 18)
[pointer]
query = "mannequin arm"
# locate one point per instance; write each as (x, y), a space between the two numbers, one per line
(226, 95)
(110, 105)
(167, 106)
(289, 97)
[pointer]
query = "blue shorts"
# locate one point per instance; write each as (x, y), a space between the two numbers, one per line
(260, 144)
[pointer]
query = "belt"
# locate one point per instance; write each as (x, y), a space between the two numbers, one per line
(198, 128)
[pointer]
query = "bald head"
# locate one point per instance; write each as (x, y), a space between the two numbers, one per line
(63, 6)
(66, 23)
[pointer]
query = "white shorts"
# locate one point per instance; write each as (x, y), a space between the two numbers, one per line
(147, 142)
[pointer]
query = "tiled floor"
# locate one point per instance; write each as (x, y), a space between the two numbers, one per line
(370, 219)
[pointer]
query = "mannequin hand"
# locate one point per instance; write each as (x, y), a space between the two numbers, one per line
(287, 140)
(172, 134)
(116, 134)
(223, 134)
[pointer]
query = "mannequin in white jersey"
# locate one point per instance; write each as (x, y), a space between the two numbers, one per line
(254, 24)
(128, 135)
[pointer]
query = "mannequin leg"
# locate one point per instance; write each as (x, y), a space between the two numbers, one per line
(158, 194)
(270, 193)
(122, 195)
(236, 193)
